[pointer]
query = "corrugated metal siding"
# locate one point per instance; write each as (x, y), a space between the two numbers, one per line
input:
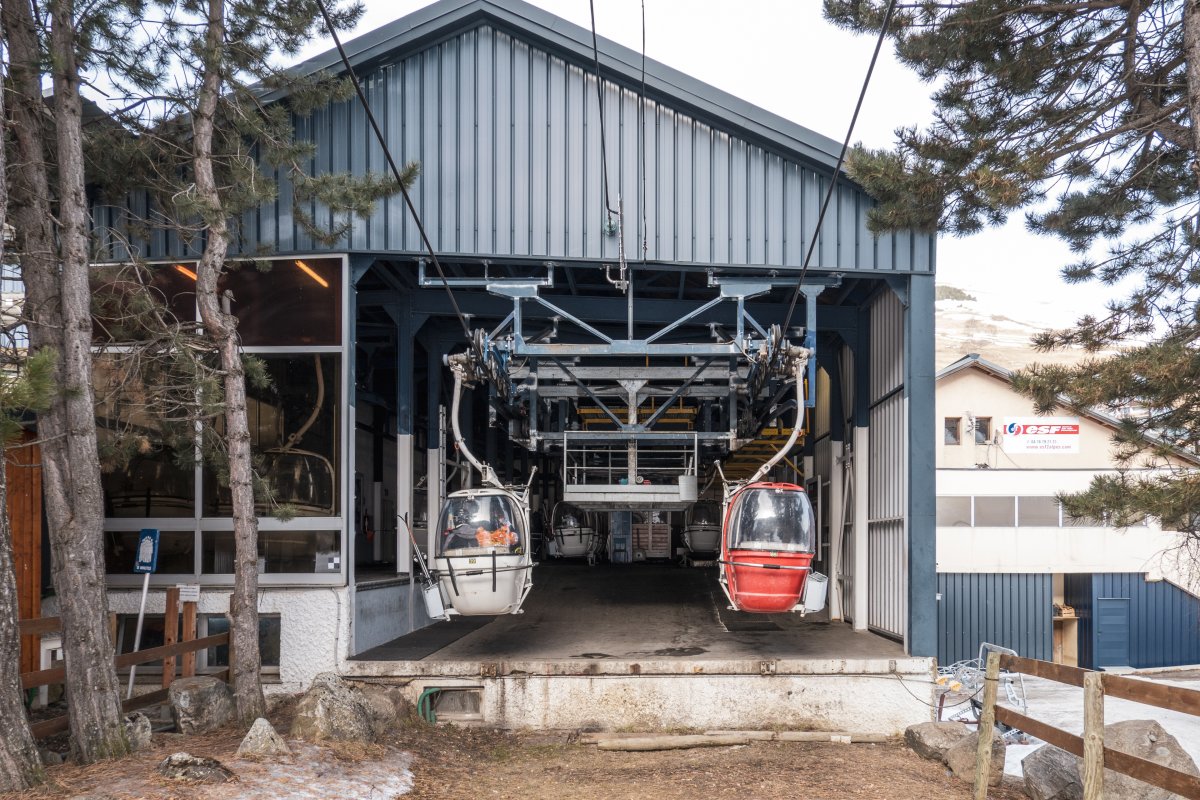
(508, 139)
(1009, 609)
(1164, 620)
(887, 536)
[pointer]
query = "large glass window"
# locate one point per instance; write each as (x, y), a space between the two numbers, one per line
(131, 302)
(995, 512)
(286, 302)
(953, 512)
(294, 432)
(302, 552)
(147, 458)
(480, 523)
(176, 552)
(770, 518)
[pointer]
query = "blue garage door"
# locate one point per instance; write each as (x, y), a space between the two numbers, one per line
(1112, 632)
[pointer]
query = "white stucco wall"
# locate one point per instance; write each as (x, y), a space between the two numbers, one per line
(315, 626)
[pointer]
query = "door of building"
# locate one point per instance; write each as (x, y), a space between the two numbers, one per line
(1112, 632)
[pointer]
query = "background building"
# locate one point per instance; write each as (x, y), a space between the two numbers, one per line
(1007, 555)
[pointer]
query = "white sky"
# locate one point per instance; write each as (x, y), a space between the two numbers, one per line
(783, 56)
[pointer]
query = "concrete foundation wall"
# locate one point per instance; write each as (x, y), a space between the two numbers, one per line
(872, 696)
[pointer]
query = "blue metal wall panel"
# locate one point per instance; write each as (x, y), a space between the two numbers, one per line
(1164, 620)
(508, 138)
(1009, 609)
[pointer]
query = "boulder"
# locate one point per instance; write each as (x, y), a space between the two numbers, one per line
(1146, 739)
(1052, 774)
(333, 710)
(137, 728)
(262, 742)
(49, 757)
(932, 739)
(201, 704)
(960, 758)
(195, 769)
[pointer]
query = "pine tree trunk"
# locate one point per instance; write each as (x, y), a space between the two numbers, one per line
(221, 328)
(58, 306)
(1191, 52)
(20, 766)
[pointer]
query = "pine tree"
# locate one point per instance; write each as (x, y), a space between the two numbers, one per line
(23, 386)
(50, 217)
(200, 156)
(1086, 116)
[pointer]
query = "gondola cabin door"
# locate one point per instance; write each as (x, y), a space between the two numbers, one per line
(483, 562)
(767, 548)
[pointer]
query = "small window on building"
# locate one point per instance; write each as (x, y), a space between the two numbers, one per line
(1037, 512)
(954, 512)
(995, 512)
(953, 430)
(983, 430)
(269, 628)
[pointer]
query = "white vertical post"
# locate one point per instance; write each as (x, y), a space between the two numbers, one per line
(137, 636)
(861, 490)
(404, 502)
(836, 522)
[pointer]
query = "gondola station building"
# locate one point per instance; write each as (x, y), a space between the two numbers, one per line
(616, 354)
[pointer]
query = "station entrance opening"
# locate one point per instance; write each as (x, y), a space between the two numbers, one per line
(624, 403)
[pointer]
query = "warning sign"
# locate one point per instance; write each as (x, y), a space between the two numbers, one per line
(1041, 435)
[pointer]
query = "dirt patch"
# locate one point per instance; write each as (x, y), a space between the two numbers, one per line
(468, 765)
(449, 763)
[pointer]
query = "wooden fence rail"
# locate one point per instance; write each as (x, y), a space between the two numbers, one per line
(187, 649)
(1090, 747)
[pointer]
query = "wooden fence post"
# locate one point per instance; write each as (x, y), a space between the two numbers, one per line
(170, 633)
(1093, 736)
(987, 727)
(188, 660)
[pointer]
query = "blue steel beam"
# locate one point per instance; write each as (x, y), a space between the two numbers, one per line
(922, 488)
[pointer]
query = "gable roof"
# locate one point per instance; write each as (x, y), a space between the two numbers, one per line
(446, 18)
(973, 361)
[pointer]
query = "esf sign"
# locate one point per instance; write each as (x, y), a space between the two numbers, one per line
(1041, 434)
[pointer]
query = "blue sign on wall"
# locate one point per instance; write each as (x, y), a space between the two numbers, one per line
(146, 558)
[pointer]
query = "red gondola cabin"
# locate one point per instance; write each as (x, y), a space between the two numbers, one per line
(767, 547)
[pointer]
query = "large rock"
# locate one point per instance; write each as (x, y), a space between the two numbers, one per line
(331, 709)
(1052, 774)
(932, 739)
(961, 758)
(262, 742)
(199, 705)
(137, 728)
(196, 769)
(1146, 739)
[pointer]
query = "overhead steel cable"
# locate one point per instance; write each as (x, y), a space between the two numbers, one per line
(812, 245)
(387, 153)
(600, 101)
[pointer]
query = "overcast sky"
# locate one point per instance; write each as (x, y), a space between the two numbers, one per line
(783, 56)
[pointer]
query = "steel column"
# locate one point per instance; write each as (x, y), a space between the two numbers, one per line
(919, 390)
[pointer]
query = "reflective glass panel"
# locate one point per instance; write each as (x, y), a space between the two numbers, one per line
(176, 550)
(1037, 512)
(129, 302)
(771, 518)
(996, 512)
(705, 514)
(294, 433)
(143, 471)
(300, 552)
(953, 430)
(953, 512)
(481, 523)
(286, 302)
(269, 629)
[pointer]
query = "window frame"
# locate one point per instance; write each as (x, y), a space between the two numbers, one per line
(957, 431)
(987, 438)
(199, 524)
